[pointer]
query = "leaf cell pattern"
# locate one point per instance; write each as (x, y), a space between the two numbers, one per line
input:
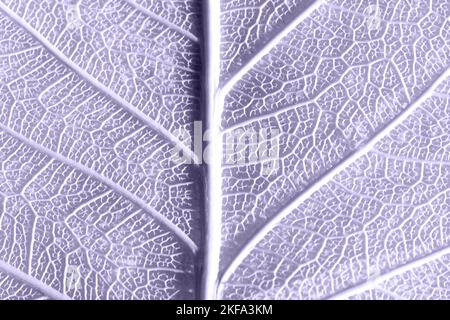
(94, 205)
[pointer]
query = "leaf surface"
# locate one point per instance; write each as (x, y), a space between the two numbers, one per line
(95, 205)
(362, 187)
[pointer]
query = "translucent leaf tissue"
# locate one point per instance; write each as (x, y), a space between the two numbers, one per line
(224, 149)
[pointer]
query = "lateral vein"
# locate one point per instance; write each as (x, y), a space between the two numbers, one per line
(99, 86)
(327, 177)
(226, 88)
(33, 282)
(163, 21)
(111, 184)
(213, 106)
(372, 284)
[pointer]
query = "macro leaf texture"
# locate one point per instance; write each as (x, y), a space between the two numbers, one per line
(94, 203)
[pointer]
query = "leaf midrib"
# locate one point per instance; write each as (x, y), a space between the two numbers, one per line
(108, 182)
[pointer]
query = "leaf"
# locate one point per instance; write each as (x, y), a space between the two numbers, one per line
(247, 25)
(92, 207)
(359, 204)
(350, 201)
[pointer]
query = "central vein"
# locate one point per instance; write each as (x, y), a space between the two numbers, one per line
(212, 114)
